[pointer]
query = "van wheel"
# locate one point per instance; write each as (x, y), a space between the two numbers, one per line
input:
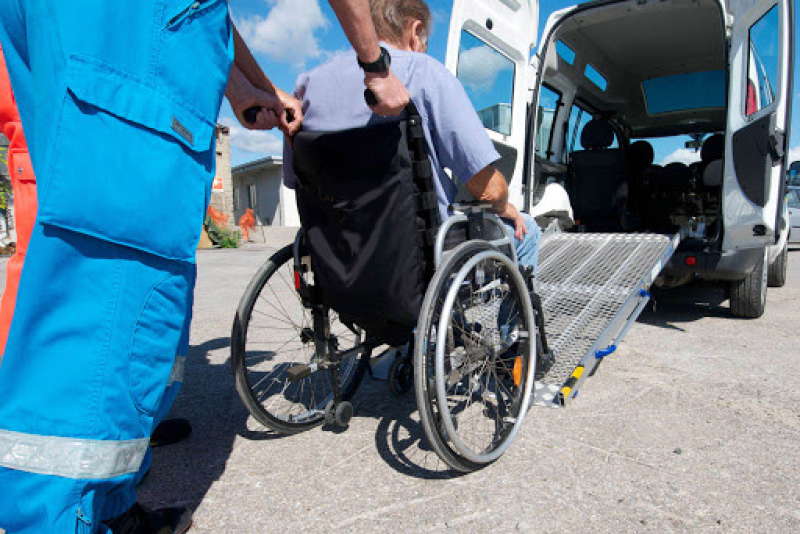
(777, 269)
(749, 296)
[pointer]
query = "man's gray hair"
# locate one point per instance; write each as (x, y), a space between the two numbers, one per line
(391, 17)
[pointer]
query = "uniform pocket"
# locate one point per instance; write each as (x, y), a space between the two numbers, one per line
(156, 341)
(186, 10)
(195, 52)
(129, 163)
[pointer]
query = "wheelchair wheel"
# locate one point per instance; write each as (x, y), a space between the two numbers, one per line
(475, 358)
(272, 333)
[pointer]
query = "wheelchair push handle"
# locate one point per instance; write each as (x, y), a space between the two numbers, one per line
(251, 114)
(370, 98)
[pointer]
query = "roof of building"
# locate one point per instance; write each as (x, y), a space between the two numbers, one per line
(259, 164)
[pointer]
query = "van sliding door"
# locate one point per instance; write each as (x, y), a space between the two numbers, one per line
(760, 93)
(488, 48)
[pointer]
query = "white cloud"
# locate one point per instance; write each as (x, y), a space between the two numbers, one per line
(682, 155)
(256, 141)
(287, 33)
(794, 154)
(479, 67)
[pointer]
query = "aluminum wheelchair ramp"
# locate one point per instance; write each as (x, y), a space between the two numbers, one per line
(593, 288)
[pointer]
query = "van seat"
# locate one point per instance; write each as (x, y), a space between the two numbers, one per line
(710, 183)
(598, 179)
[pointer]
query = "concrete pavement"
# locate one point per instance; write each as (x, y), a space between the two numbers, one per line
(692, 425)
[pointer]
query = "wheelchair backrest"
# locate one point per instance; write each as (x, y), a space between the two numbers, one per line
(369, 212)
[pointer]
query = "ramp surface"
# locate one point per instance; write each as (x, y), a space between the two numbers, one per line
(590, 285)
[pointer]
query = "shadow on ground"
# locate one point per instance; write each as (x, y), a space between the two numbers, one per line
(183, 473)
(670, 308)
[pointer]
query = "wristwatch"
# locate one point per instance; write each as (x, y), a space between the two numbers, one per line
(379, 65)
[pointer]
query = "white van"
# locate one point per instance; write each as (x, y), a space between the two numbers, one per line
(611, 79)
(709, 80)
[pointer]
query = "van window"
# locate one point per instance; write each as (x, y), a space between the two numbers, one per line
(793, 174)
(793, 196)
(694, 90)
(488, 77)
(549, 102)
(578, 118)
(595, 77)
(566, 53)
(762, 63)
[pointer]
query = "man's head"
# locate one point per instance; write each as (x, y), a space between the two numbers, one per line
(405, 24)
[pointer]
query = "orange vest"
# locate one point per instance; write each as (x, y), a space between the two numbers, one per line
(23, 183)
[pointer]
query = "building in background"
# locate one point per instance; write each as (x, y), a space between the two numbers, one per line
(7, 233)
(258, 186)
(222, 189)
(497, 118)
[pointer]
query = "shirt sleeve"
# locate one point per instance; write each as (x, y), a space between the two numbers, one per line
(457, 134)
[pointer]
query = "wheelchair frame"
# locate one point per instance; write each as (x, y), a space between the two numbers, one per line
(483, 369)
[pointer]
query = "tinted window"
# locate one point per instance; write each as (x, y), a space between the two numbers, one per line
(566, 53)
(762, 64)
(696, 90)
(793, 196)
(549, 102)
(578, 117)
(595, 77)
(794, 174)
(488, 77)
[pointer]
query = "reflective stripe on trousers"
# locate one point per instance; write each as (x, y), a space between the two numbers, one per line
(70, 457)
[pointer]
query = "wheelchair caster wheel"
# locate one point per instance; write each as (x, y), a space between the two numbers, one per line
(338, 414)
(401, 376)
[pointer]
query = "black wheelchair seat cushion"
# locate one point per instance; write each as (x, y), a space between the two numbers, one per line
(356, 199)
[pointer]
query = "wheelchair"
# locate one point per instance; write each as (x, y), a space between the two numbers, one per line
(371, 267)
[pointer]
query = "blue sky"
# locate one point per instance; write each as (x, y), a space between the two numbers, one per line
(291, 36)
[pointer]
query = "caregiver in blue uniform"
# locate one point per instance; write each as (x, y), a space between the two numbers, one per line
(119, 102)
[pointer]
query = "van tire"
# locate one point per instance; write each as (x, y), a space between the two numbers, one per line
(749, 296)
(777, 269)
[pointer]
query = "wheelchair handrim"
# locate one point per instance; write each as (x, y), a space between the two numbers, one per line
(441, 393)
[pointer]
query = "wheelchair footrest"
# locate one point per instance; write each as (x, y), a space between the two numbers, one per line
(298, 372)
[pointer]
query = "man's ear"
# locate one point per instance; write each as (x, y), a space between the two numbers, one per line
(416, 41)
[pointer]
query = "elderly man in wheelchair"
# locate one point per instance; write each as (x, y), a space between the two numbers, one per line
(384, 258)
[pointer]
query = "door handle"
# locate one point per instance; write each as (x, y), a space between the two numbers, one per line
(777, 146)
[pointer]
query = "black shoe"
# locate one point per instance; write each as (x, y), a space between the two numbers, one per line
(139, 520)
(170, 431)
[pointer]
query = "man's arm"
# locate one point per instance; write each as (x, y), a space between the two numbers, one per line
(356, 21)
(490, 186)
(248, 87)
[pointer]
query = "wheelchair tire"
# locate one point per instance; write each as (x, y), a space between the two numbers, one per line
(473, 379)
(265, 352)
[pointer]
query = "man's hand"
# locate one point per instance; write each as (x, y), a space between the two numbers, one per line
(392, 95)
(510, 212)
(271, 114)
(294, 113)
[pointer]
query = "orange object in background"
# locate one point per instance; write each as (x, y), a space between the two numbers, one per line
(23, 182)
(247, 222)
(219, 218)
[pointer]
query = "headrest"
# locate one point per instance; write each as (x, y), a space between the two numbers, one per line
(713, 148)
(640, 155)
(712, 176)
(676, 176)
(597, 134)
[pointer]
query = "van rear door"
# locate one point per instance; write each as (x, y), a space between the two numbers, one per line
(759, 110)
(489, 48)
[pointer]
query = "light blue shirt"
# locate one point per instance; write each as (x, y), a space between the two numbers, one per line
(333, 99)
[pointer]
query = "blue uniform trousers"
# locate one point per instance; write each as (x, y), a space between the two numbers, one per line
(119, 104)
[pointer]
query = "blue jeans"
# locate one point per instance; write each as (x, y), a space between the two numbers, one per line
(528, 246)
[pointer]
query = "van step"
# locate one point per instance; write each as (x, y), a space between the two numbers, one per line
(593, 287)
